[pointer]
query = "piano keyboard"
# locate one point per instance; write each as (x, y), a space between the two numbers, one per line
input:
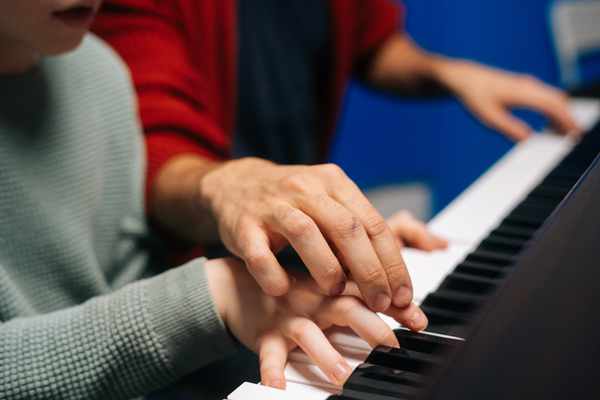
(486, 226)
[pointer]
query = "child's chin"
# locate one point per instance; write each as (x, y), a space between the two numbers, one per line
(63, 46)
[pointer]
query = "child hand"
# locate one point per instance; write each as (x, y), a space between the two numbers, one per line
(273, 326)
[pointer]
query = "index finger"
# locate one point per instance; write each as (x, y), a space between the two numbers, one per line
(262, 263)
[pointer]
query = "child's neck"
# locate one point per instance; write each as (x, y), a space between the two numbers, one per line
(16, 59)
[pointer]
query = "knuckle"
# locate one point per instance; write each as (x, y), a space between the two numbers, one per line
(296, 223)
(347, 304)
(244, 223)
(332, 170)
(370, 276)
(375, 225)
(330, 272)
(301, 331)
(258, 260)
(347, 226)
(297, 183)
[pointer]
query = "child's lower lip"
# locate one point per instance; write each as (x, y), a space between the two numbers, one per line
(78, 17)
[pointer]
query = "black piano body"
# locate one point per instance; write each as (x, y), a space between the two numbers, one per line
(526, 301)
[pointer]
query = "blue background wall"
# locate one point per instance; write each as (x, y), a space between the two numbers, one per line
(383, 139)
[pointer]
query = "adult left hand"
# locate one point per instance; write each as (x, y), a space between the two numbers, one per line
(491, 93)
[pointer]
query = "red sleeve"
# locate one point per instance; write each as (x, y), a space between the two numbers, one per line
(361, 27)
(186, 98)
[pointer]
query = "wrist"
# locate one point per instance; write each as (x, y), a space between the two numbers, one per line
(176, 198)
(451, 73)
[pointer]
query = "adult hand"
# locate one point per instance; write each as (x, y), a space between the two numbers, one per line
(272, 326)
(261, 207)
(410, 232)
(491, 93)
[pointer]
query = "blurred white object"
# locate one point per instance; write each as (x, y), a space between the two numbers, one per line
(575, 26)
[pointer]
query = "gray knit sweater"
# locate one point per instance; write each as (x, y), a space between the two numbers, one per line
(77, 319)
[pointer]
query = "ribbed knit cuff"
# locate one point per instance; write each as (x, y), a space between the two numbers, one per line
(185, 319)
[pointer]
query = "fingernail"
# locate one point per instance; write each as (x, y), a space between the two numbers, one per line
(403, 296)
(341, 371)
(275, 383)
(382, 302)
(418, 320)
(338, 289)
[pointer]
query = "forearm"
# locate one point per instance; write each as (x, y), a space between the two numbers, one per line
(402, 67)
(118, 346)
(177, 199)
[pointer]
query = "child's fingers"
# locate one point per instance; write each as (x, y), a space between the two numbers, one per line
(314, 343)
(410, 316)
(273, 352)
(353, 312)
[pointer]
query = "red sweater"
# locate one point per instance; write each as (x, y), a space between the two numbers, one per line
(183, 59)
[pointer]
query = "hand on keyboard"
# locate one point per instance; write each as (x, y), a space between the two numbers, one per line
(490, 93)
(410, 232)
(262, 207)
(272, 326)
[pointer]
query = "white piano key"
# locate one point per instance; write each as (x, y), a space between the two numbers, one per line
(310, 392)
(344, 336)
(253, 391)
(428, 269)
(483, 205)
(308, 374)
(353, 356)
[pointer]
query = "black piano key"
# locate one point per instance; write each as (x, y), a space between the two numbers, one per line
(480, 269)
(530, 214)
(442, 320)
(467, 283)
(375, 382)
(508, 229)
(500, 243)
(424, 343)
(548, 192)
(556, 180)
(456, 301)
(402, 359)
(489, 257)
(449, 312)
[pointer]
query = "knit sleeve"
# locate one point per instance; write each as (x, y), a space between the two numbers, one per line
(179, 102)
(118, 346)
